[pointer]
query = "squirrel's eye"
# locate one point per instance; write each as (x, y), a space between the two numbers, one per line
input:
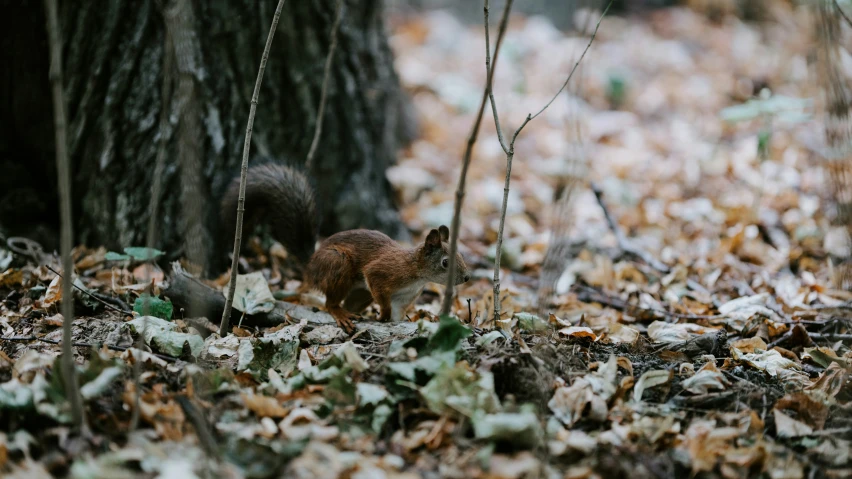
(445, 262)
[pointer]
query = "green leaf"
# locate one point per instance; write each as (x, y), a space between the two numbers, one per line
(449, 335)
(783, 107)
(531, 322)
(15, 395)
(113, 256)
(100, 383)
(763, 139)
(380, 417)
(340, 390)
(257, 355)
(252, 294)
(171, 343)
(157, 307)
(140, 253)
(371, 394)
(461, 391)
(161, 333)
(407, 371)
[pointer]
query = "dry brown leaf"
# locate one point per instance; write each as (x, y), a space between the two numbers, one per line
(148, 272)
(663, 332)
(621, 334)
(748, 345)
(11, 277)
(578, 332)
(94, 258)
(831, 381)
(707, 379)
(626, 364)
(264, 406)
(55, 320)
(808, 409)
(650, 379)
(785, 426)
(53, 293)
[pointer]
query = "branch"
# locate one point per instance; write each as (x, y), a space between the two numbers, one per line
(241, 202)
(69, 373)
(510, 150)
(588, 294)
(489, 69)
(324, 92)
(468, 153)
(591, 39)
(842, 13)
(91, 295)
(624, 244)
(84, 345)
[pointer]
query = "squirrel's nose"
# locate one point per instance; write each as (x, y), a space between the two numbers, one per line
(466, 277)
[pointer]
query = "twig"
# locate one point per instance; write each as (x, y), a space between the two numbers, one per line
(842, 13)
(625, 244)
(83, 345)
(510, 148)
(89, 293)
(341, 6)
(69, 372)
(590, 294)
(202, 429)
(468, 153)
(830, 336)
(241, 202)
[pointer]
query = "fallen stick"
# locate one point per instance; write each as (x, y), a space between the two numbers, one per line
(625, 244)
(164, 357)
(588, 294)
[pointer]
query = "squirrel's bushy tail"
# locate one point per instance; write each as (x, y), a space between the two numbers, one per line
(281, 197)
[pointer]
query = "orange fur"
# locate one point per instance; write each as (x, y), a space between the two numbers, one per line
(352, 267)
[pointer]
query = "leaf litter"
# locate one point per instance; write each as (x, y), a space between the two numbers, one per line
(731, 361)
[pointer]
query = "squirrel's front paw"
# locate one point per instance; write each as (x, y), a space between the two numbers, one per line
(346, 324)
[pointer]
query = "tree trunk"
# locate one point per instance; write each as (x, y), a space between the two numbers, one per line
(116, 71)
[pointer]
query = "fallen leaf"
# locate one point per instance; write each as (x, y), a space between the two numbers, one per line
(663, 332)
(578, 332)
(53, 293)
(252, 294)
(785, 426)
(808, 409)
(707, 379)
(621, 334)
(650, 379)
(264, 406)
(748, 345)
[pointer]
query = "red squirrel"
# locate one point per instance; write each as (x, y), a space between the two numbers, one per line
(354, 267)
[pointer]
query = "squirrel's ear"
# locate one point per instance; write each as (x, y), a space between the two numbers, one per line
(445, 233)
(433, 239)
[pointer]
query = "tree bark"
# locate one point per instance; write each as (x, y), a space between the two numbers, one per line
(114, 63)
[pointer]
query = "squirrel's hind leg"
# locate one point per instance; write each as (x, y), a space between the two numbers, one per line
(332, 272)
(333, 298)
(358, 300)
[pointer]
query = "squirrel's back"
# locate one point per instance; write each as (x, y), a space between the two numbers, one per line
(281, 197)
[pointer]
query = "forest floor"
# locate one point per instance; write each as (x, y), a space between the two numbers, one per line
(721, 350)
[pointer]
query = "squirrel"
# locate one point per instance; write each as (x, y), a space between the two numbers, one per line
(354, 267)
